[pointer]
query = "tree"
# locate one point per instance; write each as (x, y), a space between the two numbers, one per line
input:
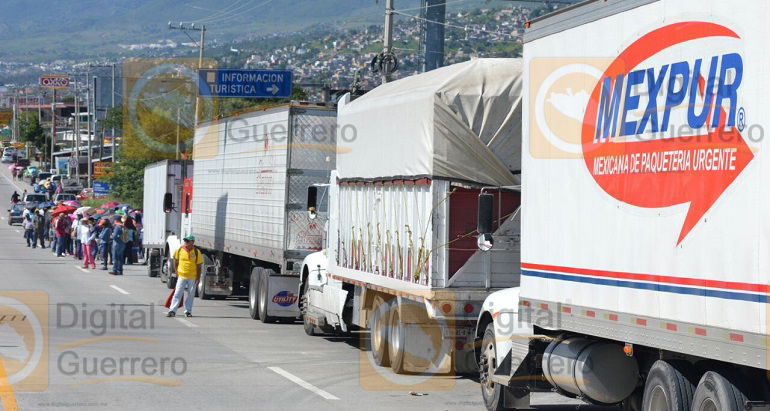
(32, 132)
(127, 180)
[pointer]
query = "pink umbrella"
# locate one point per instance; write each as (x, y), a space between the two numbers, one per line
(109, 205)
(13, 167)
(72, 203)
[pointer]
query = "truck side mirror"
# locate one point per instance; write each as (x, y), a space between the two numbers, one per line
(485, 242)
(168, 203)
(312, 202)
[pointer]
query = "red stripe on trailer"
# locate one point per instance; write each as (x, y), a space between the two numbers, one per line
(567, 310)
(700, 331)
(641, 321)
(544, 306)
(422, 181)
(591, 313)
(613, 317)
(525, 303)
(736, 337)
(651, 278)
(671, 327)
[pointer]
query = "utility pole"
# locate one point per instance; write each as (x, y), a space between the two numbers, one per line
(88, 111)
(53, 126)
(77, 127)
(387, 49)
(114, 139)
(198, 104)
(90, 163)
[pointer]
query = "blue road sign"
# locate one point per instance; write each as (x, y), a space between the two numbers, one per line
(245, 83)
(101, 188)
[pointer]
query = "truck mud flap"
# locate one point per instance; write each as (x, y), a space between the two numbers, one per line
(283, 296)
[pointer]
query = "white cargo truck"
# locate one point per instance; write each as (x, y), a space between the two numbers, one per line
(400, 257)
(644, 262)
(248, 204)
(164, 215)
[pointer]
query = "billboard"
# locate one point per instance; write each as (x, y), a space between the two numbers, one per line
(54, 82)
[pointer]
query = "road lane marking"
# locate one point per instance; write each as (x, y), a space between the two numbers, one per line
(185, 322)
(81, 269)
(17, 231)
(302, 383)
(2, 218)
(12, 183)
(118, 289)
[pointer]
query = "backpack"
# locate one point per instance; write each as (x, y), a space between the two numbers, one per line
(124, 235)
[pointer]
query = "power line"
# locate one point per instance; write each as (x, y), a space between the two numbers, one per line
(466, 28)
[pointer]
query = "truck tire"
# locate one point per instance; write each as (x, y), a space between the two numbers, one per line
(395, 344)
(264, 280)
(200, 290)
(310, 328)
(170, 279)
(717, 393)
(256, 273)
(379, 332)
(669, 387)
(153, 263)
(491, 392)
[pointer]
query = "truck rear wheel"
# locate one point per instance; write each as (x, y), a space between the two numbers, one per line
(669, 387)
(264, 280)
(396, 341)
(491, 392)
(253, 295)
(170, 279)
(153, 263)
(379, 332)
(717, 393)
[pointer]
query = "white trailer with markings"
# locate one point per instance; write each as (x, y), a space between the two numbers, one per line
(644, 263)
(400, 258)
(251, 176)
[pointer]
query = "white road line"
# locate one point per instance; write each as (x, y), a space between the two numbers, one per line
(81, 269)
(2, 218)
(185, 322)
(302, 383)
(14, 184)
(118, 289)
(17, 231)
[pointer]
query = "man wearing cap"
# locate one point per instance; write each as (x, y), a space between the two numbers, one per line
(188, 263)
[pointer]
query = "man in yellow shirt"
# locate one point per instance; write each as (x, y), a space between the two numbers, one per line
(188, 263)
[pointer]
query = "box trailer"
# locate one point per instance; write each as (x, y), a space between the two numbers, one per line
(162, 224)
(248, 216)
(644, 263)
(400, 259)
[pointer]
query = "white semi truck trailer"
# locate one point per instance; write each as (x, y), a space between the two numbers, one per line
(400, 257)
(166, 215)
(645, 262)
(248, 203)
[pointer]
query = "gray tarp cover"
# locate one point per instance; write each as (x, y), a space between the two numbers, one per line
(461, 122)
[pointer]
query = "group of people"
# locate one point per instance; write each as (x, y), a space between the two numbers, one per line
(84, 237)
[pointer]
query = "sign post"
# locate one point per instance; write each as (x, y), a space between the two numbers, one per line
(227, 83)
(54, 82)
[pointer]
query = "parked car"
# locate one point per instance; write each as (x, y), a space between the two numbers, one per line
(31, 171)
(36, 198)
(15, 213)
(22, 162)
(64, 197)
(7, 157)
(85, 194)
(43, 175)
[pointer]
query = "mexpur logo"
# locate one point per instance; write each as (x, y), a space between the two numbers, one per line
(692, 75)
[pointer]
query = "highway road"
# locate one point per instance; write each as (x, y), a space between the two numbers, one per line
(218, 359)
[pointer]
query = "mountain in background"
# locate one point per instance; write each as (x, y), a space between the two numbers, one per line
(67, 29)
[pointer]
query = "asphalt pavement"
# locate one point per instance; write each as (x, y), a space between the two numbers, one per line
(110, 346)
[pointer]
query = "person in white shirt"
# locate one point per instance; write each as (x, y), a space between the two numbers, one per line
(29, 230)
(77, 252)
(86, 236)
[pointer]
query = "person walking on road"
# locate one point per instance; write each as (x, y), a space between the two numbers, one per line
(130, 228)
(14, 197)
(87, 235)
(105, 239)
(62, 228)
(188, 263)
(29, 231)
(119, 239)
(40, 227)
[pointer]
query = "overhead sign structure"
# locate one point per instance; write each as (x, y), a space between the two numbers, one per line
(227, 83)
(55, 82)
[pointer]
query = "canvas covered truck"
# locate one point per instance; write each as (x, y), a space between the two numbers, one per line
(400, 257)
(248, 209)
(165, 211)
(644, 263)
